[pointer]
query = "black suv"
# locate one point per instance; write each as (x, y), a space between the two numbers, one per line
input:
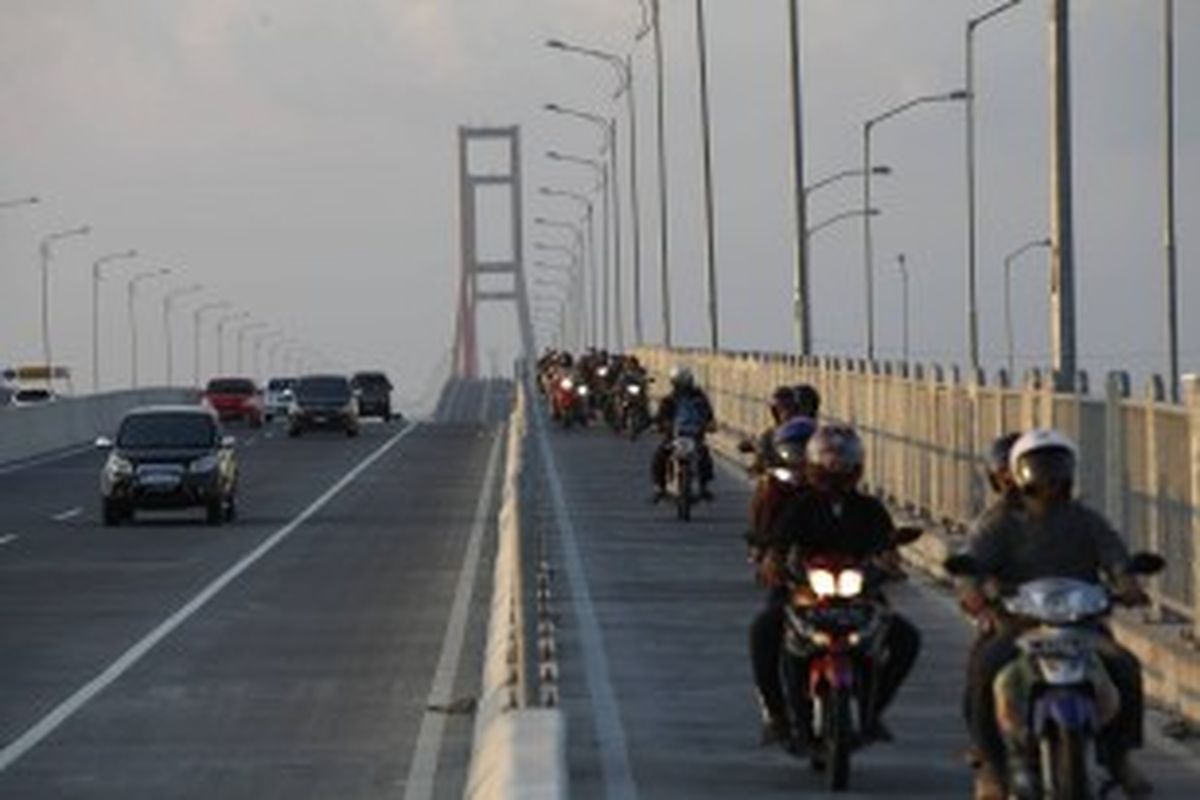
(169, 457)
(322, 401)
(374, 393)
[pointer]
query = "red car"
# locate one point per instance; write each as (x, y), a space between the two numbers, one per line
(235, 398)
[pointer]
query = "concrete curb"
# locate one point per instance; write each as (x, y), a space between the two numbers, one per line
(518, 752)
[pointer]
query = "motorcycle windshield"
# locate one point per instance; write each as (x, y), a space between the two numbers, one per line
(1058, 601)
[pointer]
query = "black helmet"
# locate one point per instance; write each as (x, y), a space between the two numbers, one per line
(791, 440)
(808, 400)
(835, 457)
(783, 403)
(998, 454)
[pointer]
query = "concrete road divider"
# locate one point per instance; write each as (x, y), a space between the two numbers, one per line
(519, 750)
(28, 432)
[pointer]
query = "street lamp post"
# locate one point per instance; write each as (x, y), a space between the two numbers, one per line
(591, 248)
(20, 201)
(241, 337)
(168, 340)
(834, 220)
(258, 342)
(197, 318)
(710, 246)
(1062, 215)
(902, 266)
(1172, 277)
(578, 235)
(1008, 321)
(97, 276)
(654, 25)
(131, 288)
(601, 170)
(623, 65)
(575, 258)
(868, 255)
(45, 252)
(608, 126)
(972, 228)
(221, 323)
(801, 299)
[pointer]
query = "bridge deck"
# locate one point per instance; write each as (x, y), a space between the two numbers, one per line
(672, 602)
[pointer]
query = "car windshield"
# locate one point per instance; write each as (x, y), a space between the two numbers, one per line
(167, 431)
(279, 384)
(372, 380)
(330, 388)
(231, 386)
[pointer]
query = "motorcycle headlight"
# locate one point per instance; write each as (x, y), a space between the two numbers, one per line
(634, 390)
(602, 372)
(583, 391)
(783, 475)
(849, 583)
(823, 582)
(203, 464)
(566, 384)
(120, 467)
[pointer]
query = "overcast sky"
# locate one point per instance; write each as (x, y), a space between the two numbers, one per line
(297, 158)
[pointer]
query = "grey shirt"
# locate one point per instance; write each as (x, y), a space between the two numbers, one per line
(1071, 541)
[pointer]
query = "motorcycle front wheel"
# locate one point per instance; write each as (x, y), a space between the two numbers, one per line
(1068, 764)
(839, 734)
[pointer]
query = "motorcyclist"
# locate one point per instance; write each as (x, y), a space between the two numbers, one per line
(766, 631)
(833, 518)
(808, 400)
(974, 603)
(1049, 534)
(686, 406)
(783, 407)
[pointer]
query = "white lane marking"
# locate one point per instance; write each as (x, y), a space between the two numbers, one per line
(606, 717)
(70, 513)
(8, 538)
(422, 769)
(49, 723)
(38, 461)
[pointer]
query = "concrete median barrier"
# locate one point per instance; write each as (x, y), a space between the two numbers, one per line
(519, 751)
(31, 432)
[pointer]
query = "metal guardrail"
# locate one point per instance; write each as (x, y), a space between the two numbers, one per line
(926, 431)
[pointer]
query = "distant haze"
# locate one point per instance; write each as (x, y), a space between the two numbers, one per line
(297, 158)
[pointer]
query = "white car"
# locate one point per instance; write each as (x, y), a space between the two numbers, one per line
(278, 397)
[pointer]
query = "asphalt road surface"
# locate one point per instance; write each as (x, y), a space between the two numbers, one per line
(291, 654)
(655, 616)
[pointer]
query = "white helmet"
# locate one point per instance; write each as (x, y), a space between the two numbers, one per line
(1042, 454)
(681, 377)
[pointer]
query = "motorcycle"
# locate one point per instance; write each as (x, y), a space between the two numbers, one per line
(1055, 698)
(835, 625)
(570, 402)
(683, 468)
(634, 409)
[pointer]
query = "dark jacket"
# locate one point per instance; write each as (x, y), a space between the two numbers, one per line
(668, 407)
(853, 524)
(1072, 541)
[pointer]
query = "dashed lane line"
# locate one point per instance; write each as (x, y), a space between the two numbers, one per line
(70, 513)
(67, 708)
(8, 538)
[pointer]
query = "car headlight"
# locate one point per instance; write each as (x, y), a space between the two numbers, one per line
(634, 389)
(120, 467)
(566, 384)
(823, 582)
(203, 464)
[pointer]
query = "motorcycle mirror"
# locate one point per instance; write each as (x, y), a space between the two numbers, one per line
(962, 565)
(745, 446)
(907, 534)
(103, 443)
(1146, 564)
(228, 442)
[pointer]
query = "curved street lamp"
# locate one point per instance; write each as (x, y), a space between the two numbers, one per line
(97, 276)
(168, 341)
(1008, 322)
(131, 288)
(197, 319)
(45, 253)
(868, 255)
(221, 323)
